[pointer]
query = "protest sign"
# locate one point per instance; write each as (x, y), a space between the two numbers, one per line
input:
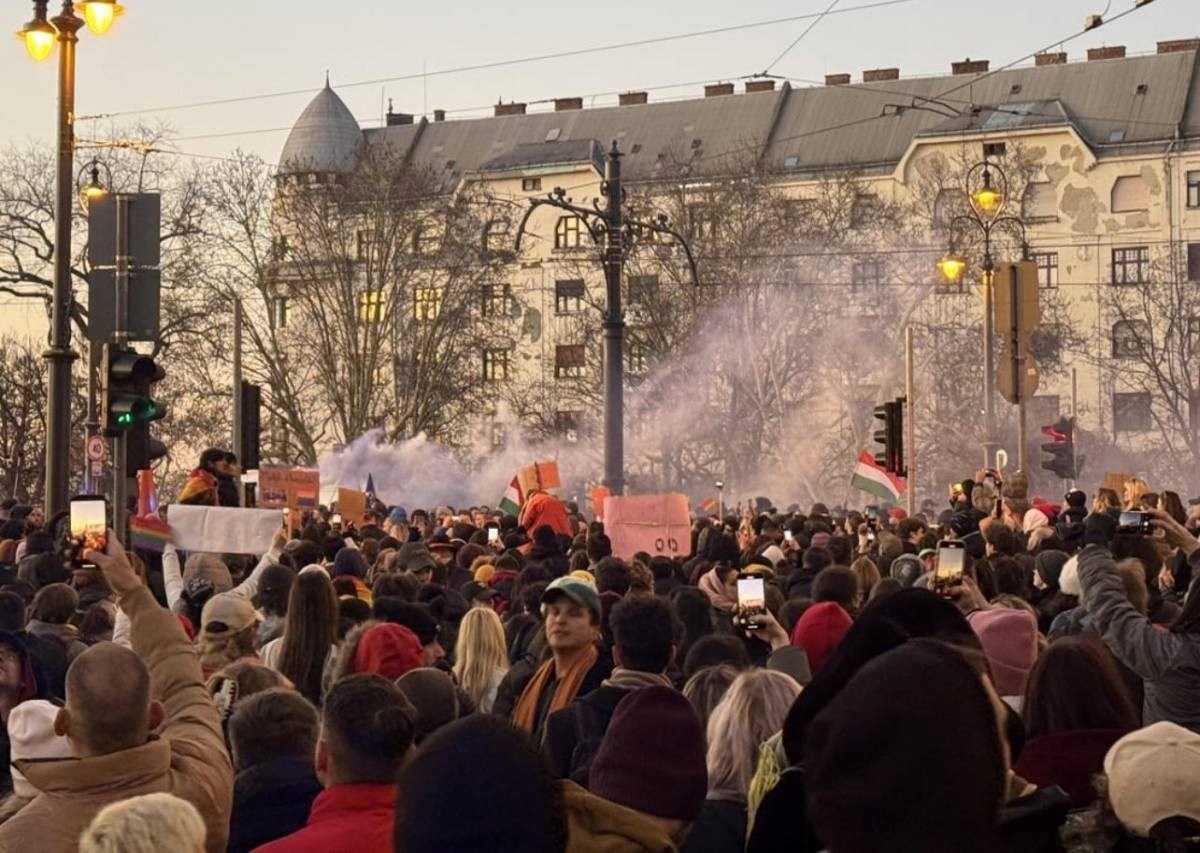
(598, 495)
(656, 524)
(351, 505)
(538, 476)
(295, 488)
(223, 530)
(1116, 482)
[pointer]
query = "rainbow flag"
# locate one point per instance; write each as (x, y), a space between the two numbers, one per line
(709, 505)
(149, 533)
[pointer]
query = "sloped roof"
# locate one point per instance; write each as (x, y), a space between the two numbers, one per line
(1014, 116)
(324, 138)
(542, 154)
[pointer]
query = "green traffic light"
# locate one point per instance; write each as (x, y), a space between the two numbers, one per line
(125, 419)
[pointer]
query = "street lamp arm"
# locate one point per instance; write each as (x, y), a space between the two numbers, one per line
(555, 200)
(661, 227)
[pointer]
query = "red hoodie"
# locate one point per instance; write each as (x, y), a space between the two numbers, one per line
(356, 818)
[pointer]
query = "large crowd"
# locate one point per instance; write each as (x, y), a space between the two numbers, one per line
(460, 679)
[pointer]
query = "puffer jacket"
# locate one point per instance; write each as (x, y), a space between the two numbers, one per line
(599, 826)
(1168, 662)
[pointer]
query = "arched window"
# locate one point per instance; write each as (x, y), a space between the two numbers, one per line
(1130, 194)
(1039, 201)
(568, 233)
(950, 202)
(1130, 338)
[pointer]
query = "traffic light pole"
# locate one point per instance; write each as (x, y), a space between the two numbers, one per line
(121, 337)
(910, 424)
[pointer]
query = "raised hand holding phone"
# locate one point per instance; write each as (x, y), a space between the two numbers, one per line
(114, 564)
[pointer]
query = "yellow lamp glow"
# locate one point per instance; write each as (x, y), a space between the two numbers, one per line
(39, 37)
(987, 198)
(952, 267)
(99, 14)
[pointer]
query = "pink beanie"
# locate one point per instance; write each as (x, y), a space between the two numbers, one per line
(1009, 640)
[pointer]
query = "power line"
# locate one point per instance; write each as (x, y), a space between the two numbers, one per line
(799, 38)
(485, 66)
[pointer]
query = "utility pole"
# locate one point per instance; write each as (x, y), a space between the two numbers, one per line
(910, 422)
(238, 414)
(121, 338)
(616, 235)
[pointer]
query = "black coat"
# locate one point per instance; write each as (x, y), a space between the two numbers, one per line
(573, 734)
(271, 800)
(721, 828)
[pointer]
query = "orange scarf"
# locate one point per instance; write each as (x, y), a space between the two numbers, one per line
(564, 692)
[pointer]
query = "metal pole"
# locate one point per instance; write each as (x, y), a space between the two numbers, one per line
(1018, 360)
(59, 355)
(989, 367)
(1074, 391)
(910, 427)
(121, 338)
(614, 328)
(93, 409)
(238, 415)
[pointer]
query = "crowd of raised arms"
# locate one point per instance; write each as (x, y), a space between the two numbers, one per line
(1004, 673)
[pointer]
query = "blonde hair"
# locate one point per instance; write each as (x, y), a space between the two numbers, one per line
(221, 649)
(145, 824)
(868, 575)
(479, 653)
(1134, 489)
(750, 713)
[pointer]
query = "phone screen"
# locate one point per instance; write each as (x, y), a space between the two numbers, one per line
(89, 527)
(493, 534)
(949, 563)
(337, 519)
(751, 594)
(788, 535)
(1130, 519)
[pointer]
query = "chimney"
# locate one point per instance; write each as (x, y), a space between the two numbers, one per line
(1050, 59)
(753, 86)
(439, 115)
(632, 99)
(562, 104)
(394, 119)
(1178, 45)
(837, 79)
(513, 109)
(1117, 51)
(969, 66)
(715, 89)
(877, 75)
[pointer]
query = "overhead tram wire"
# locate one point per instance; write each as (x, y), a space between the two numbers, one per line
(828, 9)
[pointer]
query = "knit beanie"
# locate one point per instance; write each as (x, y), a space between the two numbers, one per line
(907, 568)
(498, 784)
(433, 695)
(31, 732)
(918, 706)
(349, 562)
(652, 757)
(1009, 639)
(208, 567)
(819, 631)
(1049, 566)
(387, 649)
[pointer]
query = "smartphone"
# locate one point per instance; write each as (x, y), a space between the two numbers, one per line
(336, 520)
(1137, 523)
(788, 536)
(89, 528)
(493, 534)
(872, 513)
(751, 602)
(950, 560)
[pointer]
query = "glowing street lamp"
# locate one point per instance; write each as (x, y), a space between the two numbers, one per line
(95, 189)
(987, 197)
(39, 34)
(952, 267)
(99, 14)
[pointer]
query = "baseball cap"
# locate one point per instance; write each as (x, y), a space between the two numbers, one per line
(1153, 774)
(578, 591)
(229, 609)
(475, 591)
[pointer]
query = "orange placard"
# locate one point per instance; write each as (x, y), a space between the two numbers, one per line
(539, 476)
(598, 495)
(1116, 482)
(351, 505)
(295, 488)
(656, 524)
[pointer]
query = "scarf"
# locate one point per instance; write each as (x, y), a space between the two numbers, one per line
(200, 488)
(564, 691)
(631, 679)
(710, 584)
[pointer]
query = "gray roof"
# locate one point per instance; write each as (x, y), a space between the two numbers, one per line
(1111, 103)
(540, 155)
(324, 138)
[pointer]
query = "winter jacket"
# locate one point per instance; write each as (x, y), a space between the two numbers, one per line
(1169, 662)
(599, 826)
(271, 800)
(64, 634)
(1069, 760)
(573, 734)
(542, 508)
(355, 818)
(186, 758)
(721, 828)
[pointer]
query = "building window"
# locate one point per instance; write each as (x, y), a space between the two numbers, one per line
(570, 361)
(568, 233)
(1039, 203)
(427, 303)
(1131, 412)
(1130, 194)
(1047, 268)
(281, 312)
(1193, 261)
(637, 358)
(279, 247)
(496, 298)
(366, 240)
(531, 185)
(495, 365)
(1130, 266)
(371, 305)
(568, 296)
(567, 424)
(865, 209)
(1130, 338)
(1193, 189)
(425, 242)
(641, 290)
(948, 204)
(704, 222)
(868, 273)
(993, 150)
(496, 237)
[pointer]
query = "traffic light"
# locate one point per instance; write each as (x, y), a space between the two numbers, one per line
(248, 453)
(891, 436)
(126, 407)
(1061, 449)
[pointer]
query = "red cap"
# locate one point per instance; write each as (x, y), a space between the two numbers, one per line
(389, 650)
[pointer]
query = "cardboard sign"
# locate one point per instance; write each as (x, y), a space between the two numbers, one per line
(539, 476)
(351, 505)
(656, 524)
(598, 495)
(295, 488)
(223, 529)
(1117, 482)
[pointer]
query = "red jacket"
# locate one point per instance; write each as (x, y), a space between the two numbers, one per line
(542, 508)
(344, 819)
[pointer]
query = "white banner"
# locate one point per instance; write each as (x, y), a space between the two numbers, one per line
(223, 530)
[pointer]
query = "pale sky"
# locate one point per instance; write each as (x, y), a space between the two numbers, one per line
(168, 52)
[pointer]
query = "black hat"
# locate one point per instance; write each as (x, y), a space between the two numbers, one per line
(414, 557)
(475, 591)
(415, 617)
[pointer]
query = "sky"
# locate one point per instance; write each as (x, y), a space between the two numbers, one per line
(164, 53)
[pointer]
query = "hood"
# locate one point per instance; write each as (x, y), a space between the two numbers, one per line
(598, 826)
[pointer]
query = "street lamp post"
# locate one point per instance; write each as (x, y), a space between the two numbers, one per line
(986, 187)
(40, 36)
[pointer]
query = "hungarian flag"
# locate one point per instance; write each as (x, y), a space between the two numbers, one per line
(872, 478)
(511, 503)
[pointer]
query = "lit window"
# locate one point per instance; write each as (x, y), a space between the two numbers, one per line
(427, 303)
(568, 296)
(496, 299)
(1047, 268)
(1130, 266)
(495, 365)
(568, 233)
(570, 361)
(371, 305)
(496, 237)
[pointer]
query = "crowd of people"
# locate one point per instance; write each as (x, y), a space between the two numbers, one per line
(466, 680)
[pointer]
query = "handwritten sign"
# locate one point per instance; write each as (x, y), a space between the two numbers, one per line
(351, 505)
(539, 476)
(656, 524)
(222, 529)
(295, 488)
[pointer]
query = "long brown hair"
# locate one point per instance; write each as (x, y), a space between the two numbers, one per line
(309, 632)
(1075, 685)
